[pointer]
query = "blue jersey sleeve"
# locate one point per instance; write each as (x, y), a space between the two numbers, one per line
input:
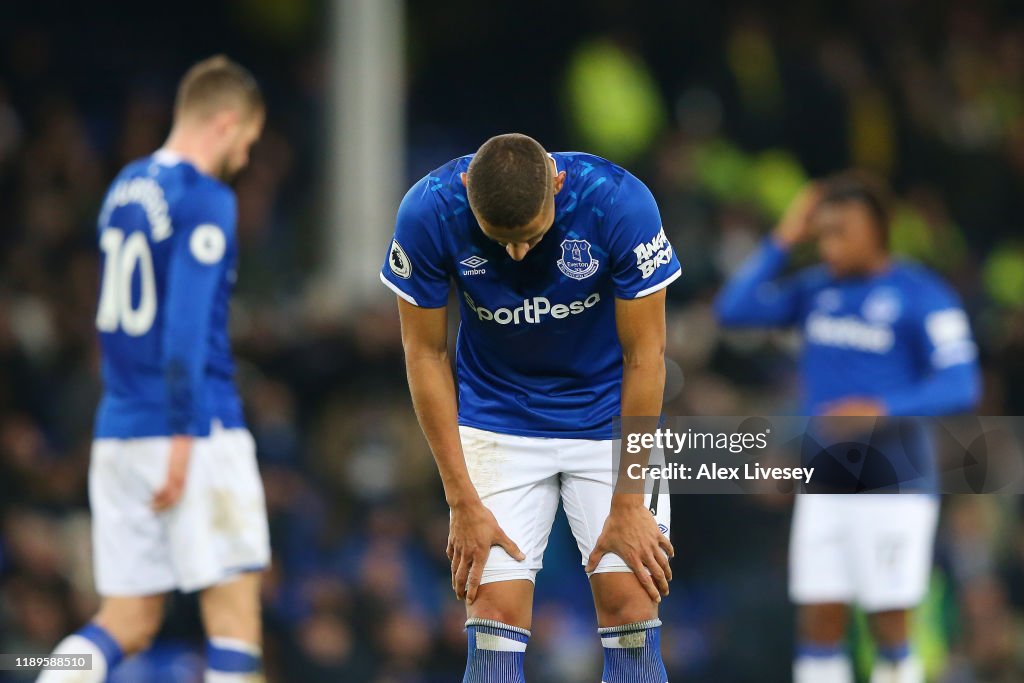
(414, 267)
(642, 258)
(952, 383)
(202, 233)
(755, 296)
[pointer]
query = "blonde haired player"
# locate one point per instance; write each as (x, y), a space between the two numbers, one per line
(176, 496)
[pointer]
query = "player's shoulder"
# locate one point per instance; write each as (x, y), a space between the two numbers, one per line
(137, 168)
(620, 201)
(597, 180)
(182, 185)
(585, 161)
(201, 189)
(437, 199)
(134, 177)
(923, 284)
(916, 274)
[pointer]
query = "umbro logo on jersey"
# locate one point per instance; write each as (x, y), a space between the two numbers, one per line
(473, 263)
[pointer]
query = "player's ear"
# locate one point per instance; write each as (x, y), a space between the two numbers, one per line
(227, 118)
(462, 177)
(559, 182)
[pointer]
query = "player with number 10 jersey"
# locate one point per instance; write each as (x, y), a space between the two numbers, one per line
(163, 310)
(175, 493)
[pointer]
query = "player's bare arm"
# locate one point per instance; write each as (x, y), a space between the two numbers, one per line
(631, 531)
(473, 529)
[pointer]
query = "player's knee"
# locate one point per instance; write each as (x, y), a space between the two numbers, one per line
(889, 628)
(620, 599)
(503, 602)
(132, 622)
(823, 624)
(232, 610)
(627, 614)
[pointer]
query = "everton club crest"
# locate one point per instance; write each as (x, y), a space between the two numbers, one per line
(576, 261)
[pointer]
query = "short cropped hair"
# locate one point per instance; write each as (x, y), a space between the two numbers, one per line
(214, 84)
(865, 189)
(509, 180)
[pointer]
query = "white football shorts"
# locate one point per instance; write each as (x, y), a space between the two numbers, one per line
(217, 530)
(521, 479)
(871, 550)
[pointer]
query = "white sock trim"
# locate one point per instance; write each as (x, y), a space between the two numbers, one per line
(492, 623)
(629, 628)
(627, 636)
(228, 677)
(908, 670)
(236, 645)
(835, 669)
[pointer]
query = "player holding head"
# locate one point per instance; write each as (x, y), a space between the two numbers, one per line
(881, 337)
(560, 263)
(176, 496)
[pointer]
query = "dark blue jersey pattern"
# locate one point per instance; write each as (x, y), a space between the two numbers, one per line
(537, 353)
(169, 257)
(900, 337)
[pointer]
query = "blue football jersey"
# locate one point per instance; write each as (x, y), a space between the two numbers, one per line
(900, 336)
(169, 257)
(537, 352)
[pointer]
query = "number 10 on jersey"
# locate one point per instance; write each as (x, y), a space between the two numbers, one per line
(122, 258)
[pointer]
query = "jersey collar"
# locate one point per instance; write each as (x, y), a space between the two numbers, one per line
(166, 157)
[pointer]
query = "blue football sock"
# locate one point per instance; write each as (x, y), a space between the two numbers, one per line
(496, 652)
(632, 653)
(897, 664)
(231, 661)
(894, 655)
(104, 642)
(91, 639)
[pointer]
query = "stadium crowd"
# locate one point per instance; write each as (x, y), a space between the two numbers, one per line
(725, 121)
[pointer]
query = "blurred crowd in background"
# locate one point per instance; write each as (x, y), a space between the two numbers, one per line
(724, 108)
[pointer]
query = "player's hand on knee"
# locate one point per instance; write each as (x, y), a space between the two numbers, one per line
(657, 565)
(472, 533)
(632, 533)
(177, 473)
